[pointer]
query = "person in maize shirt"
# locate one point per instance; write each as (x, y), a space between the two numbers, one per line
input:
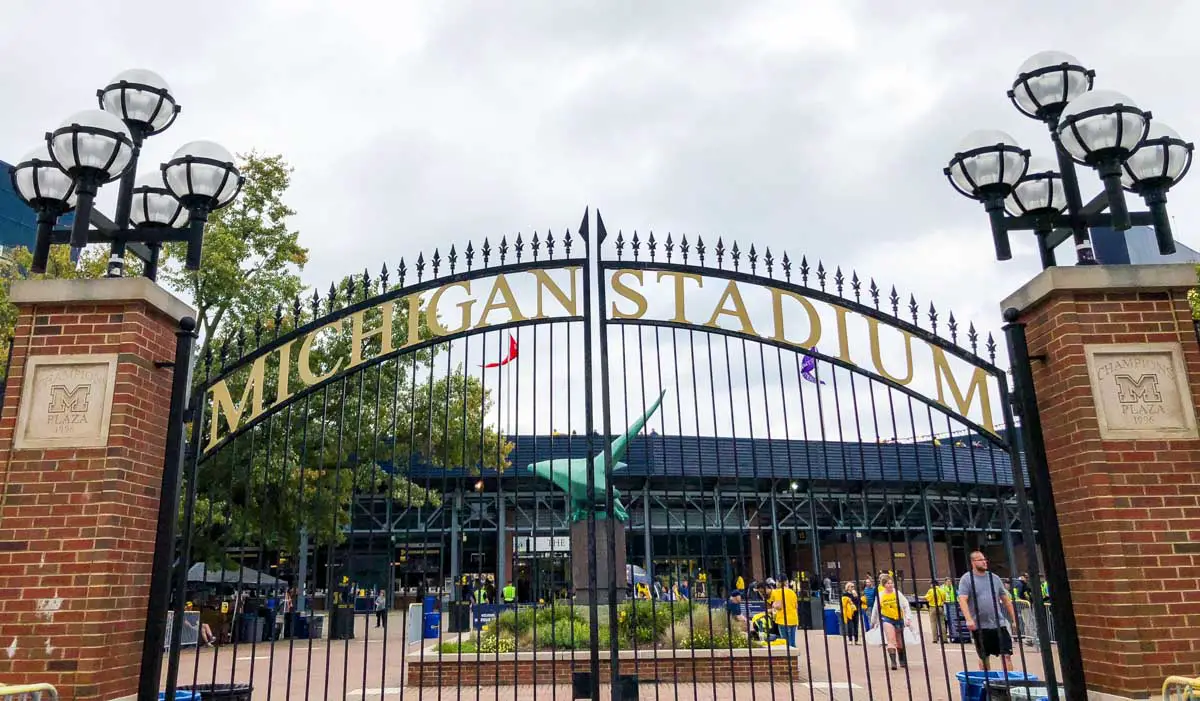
(893, 611)
(783, 601)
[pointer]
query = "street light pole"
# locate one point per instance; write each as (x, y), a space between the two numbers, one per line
(95, 147)
(1101, 129)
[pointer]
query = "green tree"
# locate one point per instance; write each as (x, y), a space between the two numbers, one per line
(1194, 297)
(14, 266)
(252, 258)
(305, 468)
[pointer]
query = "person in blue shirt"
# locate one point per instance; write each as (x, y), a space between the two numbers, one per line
(869, 592)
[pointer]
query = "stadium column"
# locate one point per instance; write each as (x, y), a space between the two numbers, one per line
(82, 444)
(1115, 366)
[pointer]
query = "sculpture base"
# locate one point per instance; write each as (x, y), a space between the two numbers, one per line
(585, 589)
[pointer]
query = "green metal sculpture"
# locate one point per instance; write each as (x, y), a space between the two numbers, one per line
(570, 475)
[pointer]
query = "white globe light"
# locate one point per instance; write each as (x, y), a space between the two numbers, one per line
(205, 171)
(1162, 161)
(153, 203)
(92, 141)
(1101, 124)
(985, 160)
(40, 182)
(1047, 81)
(1040, 191)
(142, 97)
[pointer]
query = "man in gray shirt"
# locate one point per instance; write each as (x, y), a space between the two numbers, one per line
(984, 602)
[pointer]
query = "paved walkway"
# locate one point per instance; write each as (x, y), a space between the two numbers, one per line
(320, 670)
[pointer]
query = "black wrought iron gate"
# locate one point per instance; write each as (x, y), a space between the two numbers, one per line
(586, 464)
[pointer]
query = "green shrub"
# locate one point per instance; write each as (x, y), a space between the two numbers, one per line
(497, 643)
(701, 640)
(642, 622)
(453, 648)
(560, 611)
(698, 622)
(516, 623)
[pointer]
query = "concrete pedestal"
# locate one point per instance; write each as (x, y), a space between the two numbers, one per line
(585, 588)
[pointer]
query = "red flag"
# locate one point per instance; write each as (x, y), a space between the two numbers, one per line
(511, 356)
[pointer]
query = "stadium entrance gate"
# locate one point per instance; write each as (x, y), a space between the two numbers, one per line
(575, 458)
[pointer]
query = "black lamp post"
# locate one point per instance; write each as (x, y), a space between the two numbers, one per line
(95, 147)
(1101, 129)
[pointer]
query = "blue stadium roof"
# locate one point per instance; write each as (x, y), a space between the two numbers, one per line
(663, 458)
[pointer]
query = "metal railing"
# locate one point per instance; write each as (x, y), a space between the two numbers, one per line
(1181, 689)
(28, 692)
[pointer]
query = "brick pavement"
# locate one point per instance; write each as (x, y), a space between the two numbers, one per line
(321, 669)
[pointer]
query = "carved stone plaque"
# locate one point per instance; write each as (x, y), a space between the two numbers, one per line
(66, 401)
(1141, 391)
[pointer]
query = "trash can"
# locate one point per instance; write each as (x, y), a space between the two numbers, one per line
(833, 622)
(976, 686)
(342, 624)
(181, 695)
(431, 627)
(220, 692)
(316, 627)
(460, 617)
(249, 629)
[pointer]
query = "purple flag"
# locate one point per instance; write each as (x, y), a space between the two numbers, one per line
(808, 369)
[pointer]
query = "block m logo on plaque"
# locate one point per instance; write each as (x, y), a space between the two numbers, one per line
(66, 402)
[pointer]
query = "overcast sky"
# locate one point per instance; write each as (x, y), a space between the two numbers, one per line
(816, 127)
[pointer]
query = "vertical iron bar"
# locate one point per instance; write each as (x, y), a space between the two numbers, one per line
(590, 477)
(159, 599)
(1046, 514)
(611, 522)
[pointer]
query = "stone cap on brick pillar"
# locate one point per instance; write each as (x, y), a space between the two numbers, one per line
(122, 289)
(1100, 278)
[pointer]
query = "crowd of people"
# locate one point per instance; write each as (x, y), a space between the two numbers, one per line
(882, 615)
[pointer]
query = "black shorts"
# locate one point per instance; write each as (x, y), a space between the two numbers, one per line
(992, 642)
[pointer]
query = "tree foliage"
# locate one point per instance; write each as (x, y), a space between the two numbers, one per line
(14, 266)
(252, 258)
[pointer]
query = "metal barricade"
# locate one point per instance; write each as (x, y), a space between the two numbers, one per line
(1181, 689)
(191, 629)
(28, 692)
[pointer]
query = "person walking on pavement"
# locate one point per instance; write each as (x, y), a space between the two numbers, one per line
(850, 608)
(892, 610)
(380, 609)
(988, 611)
(936, 598)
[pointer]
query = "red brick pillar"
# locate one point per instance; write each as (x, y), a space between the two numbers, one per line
(1116, 368)
(81, 456)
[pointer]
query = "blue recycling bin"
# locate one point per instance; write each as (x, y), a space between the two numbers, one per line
(181, 695)
(974, 685)
(431, 627)
(833, 622)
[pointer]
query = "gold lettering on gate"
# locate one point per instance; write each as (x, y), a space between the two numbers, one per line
(358, 335)
(877, 355)
(814, 321)
(252, 398)
(431, 316)
(679, 317)
(620, 288)
(547, 284)
(508, 302)
(944, 377)
(738, 311)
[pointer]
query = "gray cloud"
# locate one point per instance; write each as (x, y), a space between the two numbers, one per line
(818, 127)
